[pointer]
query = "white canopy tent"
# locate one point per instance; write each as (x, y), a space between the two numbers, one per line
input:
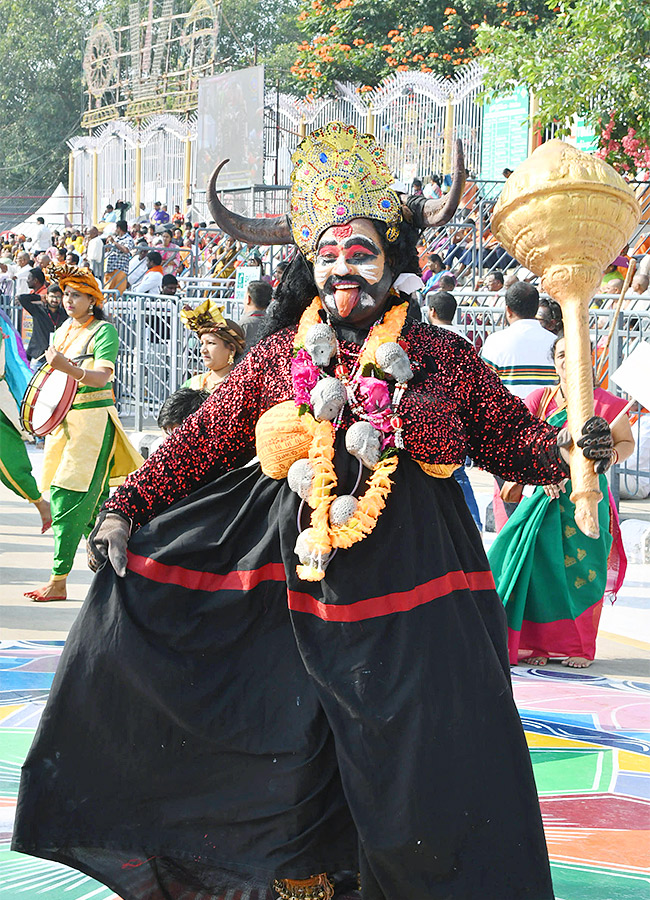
(55, 211)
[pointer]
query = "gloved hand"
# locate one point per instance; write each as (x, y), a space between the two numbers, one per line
(108, 540)
(596, 443)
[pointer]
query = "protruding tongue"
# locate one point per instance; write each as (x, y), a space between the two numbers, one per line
(346, 300)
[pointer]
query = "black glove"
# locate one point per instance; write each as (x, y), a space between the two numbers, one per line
(108, 540)
(597, 443)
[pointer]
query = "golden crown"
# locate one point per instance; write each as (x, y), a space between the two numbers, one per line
(339, 175)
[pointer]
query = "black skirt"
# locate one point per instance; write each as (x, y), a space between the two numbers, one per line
(215, 723)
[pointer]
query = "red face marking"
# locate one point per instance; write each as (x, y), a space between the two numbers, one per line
(357, 248)
(342, 231)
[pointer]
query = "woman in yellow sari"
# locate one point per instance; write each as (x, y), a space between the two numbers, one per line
(89, 449)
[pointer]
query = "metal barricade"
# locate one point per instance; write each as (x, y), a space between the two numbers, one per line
(476, 320)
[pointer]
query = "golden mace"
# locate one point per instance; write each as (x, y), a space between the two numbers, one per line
(566, 215)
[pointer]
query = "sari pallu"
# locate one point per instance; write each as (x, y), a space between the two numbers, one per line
(551, 577)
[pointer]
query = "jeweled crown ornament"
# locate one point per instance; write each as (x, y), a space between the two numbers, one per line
(566, 215)
(339, 175)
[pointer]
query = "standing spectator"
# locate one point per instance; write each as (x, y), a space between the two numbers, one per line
(177, 218)
(520, 353)
(95, 252)
(22, 272)
(43, 237)
(441, 310)
(159, 216)
(169, 253)
(433, 190)
(47, 314)
(138, 265)
(169, 285)
(6, 282)
(118, 257)
(151, 282)
(256, 301)
(549, 315)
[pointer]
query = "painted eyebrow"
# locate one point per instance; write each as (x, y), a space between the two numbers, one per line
(350, 242)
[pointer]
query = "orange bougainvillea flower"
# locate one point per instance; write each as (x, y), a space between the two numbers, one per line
(358, 42)
(425, 69)
(388, 48)
(427, 28)
(402, 68)
(450, 11)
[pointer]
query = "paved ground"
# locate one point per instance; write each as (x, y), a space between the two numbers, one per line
(588, 731)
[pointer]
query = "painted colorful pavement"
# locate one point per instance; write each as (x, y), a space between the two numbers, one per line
(589, 742)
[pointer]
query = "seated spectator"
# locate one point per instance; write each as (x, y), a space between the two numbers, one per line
(151, 282)
(446, 282)
(639, 284)
(510, 279)
(256, 300)
(279, 271)
(611, 282)
(179, 406)
(138, 265)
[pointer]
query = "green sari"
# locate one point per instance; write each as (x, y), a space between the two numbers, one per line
(550, 576)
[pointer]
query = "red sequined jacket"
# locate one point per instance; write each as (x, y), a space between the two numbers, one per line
(454, 407)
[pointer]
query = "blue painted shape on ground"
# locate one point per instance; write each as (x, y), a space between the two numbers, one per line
(634, 784)
(619, 741)
(25, 681)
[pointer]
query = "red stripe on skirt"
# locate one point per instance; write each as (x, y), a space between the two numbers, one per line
(204, 581)
(392, 603)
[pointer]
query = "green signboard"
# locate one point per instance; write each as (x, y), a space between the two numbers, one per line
(504, 142)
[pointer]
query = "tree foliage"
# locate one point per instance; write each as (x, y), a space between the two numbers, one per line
(592, 58)
(363, 41)
(41, 100)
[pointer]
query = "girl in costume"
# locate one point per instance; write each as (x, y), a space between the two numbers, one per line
(553, 610)
(222, 341)
(15, 467)
(89, 449)
(296, 673)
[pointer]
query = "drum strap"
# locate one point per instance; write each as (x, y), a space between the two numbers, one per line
(92, 397)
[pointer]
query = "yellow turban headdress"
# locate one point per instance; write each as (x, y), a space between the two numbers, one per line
(78, 277)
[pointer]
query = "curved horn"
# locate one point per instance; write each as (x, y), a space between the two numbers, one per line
(276, 230)
(433, 213)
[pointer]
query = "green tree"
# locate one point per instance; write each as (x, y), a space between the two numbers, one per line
(591, 59)
(363, 41)
(41, 92)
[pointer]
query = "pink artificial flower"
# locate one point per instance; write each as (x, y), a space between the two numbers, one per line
(304, 374)
(376, 402)
(374, 393)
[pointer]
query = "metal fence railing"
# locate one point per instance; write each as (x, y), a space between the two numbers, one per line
(631, 479)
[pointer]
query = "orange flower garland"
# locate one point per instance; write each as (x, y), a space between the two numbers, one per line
(326, 537)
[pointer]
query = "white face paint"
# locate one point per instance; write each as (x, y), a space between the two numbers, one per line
(351, 272)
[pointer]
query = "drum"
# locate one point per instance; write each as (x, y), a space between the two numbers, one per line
(47, 400)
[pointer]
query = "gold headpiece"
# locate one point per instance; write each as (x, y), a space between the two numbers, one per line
(204, 316)
(339, 175)
(208, 316)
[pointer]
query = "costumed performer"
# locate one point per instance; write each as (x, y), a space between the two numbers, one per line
(307, 669)
(15, 466)
(89, 449)
(553, 609)
(222, 341)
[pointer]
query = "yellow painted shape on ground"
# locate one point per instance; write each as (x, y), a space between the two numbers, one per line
(632, 762)
(550, 742)
(6, 711)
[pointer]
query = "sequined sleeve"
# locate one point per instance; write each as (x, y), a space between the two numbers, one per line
(468, 406)
(220, 436)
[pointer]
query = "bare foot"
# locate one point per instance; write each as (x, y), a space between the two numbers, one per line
(43, 508)
(577, 662)
(535, 660)
(53, 590)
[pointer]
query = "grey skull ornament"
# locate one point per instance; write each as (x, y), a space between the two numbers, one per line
(320, 343)
(300, 478)
(392, 360)
(363, 441)
(306, 553)
(342, 509)
(328, 399)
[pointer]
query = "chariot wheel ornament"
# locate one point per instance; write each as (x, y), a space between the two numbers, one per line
(100, 59)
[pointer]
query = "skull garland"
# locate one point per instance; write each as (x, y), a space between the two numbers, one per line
(328, 399)
(320, 343)
(393, 360)
(363, 441)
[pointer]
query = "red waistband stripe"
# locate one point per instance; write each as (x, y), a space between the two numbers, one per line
(238, 580)
(402, 601)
